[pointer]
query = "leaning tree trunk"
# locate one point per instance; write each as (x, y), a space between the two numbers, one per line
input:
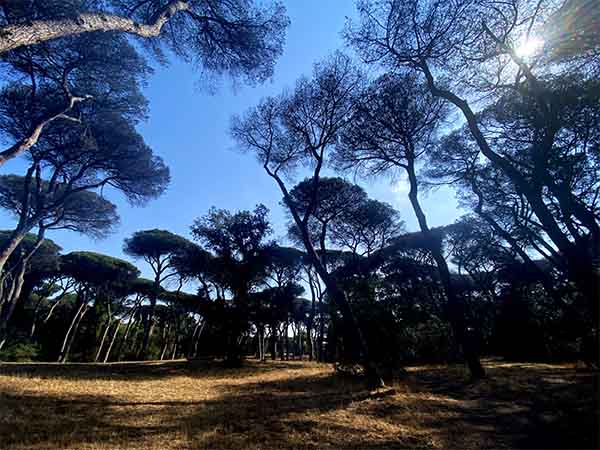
(10, 246)
(10, 303)
(456, 305)
(35, 32)
(70, 335)
(148, 319)
(197, 340)
(112, 341)
(123, 341)
(108, 323)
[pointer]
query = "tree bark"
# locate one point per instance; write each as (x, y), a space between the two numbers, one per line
(36, 130)
(37, 31)
(8, 249)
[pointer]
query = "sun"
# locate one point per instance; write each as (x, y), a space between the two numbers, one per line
(529, 47)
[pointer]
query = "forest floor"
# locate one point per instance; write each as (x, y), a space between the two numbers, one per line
(296, 404)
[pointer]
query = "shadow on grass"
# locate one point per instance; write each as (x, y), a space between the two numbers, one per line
(529, 406)
(144, 371)
(516, 407)
(247, 415)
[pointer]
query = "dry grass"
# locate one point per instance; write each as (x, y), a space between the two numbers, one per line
(177, 405)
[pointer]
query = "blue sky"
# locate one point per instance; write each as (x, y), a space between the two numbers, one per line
(188, 127)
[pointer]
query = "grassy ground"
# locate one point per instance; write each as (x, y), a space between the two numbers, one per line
(177, 405)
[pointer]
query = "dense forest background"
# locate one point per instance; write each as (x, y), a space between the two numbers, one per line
(498, 100)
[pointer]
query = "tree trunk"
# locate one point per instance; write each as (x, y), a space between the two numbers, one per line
(197, 341)
(99, 352)
(37, 31)
(258, 345)
(273, 342)
(112, 342)
(175, 345)
(10, 246)
(123, 341)
(11, 302)
(108, 323)
(148, 322)
(70, 329)
(65, 355)
(287, 340)
(321, 329)
(165, 340)
(456, 306)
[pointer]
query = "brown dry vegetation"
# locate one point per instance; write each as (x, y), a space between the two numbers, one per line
(179, 405)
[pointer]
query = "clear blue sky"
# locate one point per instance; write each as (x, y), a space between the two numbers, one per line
(188, 127)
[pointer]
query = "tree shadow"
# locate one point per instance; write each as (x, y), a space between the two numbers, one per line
(516, 407)
(145, 371)
(247, 414)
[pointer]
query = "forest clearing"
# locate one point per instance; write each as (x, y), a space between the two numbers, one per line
(283, 224)
(292, 404)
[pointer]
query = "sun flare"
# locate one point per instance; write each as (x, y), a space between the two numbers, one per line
(529, 47)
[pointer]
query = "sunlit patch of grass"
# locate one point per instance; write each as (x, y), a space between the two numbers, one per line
(181, 405)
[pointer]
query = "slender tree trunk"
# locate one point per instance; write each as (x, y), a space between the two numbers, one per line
(372, 371)
(36, 314)
(287, 340)
(68, 333)
(321, 329)
(52, 308)
(175, 345)
(148, 322)
(14, 294)
(165, 340)
(273, 342)
(197, 341)
(112, 341)
(260, 343)
(193, 339)
(99, 352)
(456, 305)
(300, 342)
(10, 246)
(108, 323)
(123, 341)
(71, 336)
(309, 343)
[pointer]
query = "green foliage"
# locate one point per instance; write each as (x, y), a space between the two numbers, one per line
(97, 269)
(155, 244)
(20, 352)
(81, 211)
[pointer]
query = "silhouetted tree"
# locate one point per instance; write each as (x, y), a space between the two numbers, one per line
(395, 122)
(239, 263)
(467, 50)
(300, 129)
